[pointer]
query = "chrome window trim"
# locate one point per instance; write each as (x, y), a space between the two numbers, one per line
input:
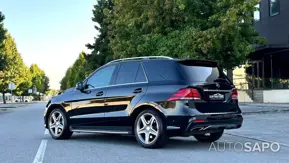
(116, 85)
(219, 113)
(144, 72)
(217, 90)
(92, 115)
(113, 85)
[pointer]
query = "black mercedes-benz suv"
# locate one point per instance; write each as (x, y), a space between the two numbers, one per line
(152, 98)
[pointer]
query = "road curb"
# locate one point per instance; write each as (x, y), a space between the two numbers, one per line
(7, 106)
(257, 139)
(266, 111)
(2, 110)
(264, 105)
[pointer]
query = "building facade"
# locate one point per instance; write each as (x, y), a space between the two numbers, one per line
(272, 21)
(267, 77)
(270, 61)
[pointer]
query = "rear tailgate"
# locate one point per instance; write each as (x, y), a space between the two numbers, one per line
(213, 85)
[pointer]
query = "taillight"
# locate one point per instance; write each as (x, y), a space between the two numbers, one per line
(186, 94)
(235, 94)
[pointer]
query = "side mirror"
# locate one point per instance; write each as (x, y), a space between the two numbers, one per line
(80, 86)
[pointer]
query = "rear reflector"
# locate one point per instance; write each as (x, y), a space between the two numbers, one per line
(186, 94)
(199, 121)
(235, 94)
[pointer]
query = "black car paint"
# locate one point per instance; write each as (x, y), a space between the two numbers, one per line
(118, 105)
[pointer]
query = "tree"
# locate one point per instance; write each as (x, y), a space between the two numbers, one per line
(229, 35)
(220, 30)
(13, 69)
(26, 83)
(76, 73)
(101, 51)
(64, 83)
(53, 92)
(46, 84)
(144, 28)
(2, 38)
(12, 65)
(38, 78)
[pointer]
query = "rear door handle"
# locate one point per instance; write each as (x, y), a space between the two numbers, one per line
(99, 93)
(138, 90)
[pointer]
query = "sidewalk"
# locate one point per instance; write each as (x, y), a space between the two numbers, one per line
(254, 108)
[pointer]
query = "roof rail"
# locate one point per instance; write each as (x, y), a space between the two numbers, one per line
(141, 58)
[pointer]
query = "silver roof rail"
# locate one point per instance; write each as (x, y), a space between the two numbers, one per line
(140, 58)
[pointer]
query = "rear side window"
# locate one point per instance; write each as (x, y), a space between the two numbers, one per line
(127, 73)
(200, 72)
(158, 70)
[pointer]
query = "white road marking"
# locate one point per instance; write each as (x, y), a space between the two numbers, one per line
(41, 151)
(257, 139)
(46, 132)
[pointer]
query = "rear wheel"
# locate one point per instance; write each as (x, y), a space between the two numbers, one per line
(150, 130)
(210, 137)
(58, 125)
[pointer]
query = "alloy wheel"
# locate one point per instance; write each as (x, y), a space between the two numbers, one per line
(147, 128)
(56, 123)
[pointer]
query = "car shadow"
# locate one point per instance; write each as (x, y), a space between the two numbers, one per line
(188, 143)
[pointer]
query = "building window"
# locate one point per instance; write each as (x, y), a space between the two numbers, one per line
(274, 7)
(257, 12)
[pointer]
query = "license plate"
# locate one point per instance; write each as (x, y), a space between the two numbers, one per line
(217, 97)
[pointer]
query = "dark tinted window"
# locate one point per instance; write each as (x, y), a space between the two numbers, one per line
(127, 73)
(200, 73)
(160, 70)
(100, 78)
(140, 77)
(274, 7)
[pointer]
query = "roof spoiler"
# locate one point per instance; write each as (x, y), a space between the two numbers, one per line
(191, 62)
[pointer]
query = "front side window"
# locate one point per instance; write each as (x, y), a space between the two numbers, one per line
(100, 78)
(274, 7)
(257, 12)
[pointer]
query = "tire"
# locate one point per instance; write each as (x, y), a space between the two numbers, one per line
(153, 134)
(210, 138)
(63, 133)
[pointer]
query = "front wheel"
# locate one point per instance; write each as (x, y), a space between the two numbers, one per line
(150, 130)
(58, 125)
(210, 137)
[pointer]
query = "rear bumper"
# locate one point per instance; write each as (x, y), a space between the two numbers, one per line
(205, 123)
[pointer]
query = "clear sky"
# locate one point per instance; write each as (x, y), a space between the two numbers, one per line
(50, 33)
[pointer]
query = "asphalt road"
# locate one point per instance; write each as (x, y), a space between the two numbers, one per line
(24, 139)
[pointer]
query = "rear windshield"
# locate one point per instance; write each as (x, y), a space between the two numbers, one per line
(200, 72)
